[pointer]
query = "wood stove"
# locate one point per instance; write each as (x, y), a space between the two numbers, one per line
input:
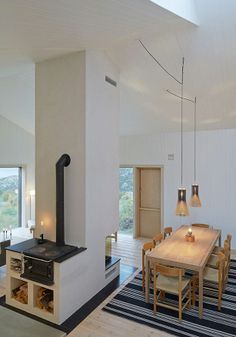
(38, 260)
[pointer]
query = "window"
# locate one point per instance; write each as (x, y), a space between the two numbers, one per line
(10, 197)
(126, 204)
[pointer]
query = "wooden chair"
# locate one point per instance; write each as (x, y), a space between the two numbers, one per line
(202, 225)
(167, 231)
(157, 239)
(148, 246)
(113, 236)
(219, 249)
(229, 239)
(227, 261)
(226, 250)
(214, 276)
(170, 280)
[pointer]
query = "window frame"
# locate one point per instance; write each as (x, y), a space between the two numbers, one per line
(20, 190)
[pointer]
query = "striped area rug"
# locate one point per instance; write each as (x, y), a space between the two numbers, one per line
(130, 303)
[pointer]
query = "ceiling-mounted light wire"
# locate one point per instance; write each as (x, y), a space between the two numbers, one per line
(176, 95)
(159, 63)
(195, 200)
(181, 208)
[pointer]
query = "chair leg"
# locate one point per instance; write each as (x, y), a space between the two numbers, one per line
(180, 306)
(154, 297)
(143, 280)
(193, 291)
(219, 298)
(190, 296)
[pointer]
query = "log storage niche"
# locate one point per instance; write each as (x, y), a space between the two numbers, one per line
(44, 299)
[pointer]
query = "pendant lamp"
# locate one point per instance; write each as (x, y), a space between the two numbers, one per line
(195, 200)
(181, 207)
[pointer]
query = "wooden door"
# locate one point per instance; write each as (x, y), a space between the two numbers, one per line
(149, 210)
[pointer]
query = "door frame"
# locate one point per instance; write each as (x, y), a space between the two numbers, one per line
(136, 193)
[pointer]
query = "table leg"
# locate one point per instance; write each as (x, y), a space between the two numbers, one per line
(147, 279)
(200, 299)
(220, 240)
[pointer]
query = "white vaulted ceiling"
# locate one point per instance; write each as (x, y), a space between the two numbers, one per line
(34, 30)
(210, 74)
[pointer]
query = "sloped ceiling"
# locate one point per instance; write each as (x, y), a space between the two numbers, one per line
(17, 97)
(33, 30)
(210, 74)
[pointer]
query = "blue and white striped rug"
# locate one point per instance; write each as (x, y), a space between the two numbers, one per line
(130, 303)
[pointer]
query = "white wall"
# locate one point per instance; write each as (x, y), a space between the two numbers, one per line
(77, 112)
(17, 95)
(216, 173)
(60, 128)
(17, 148)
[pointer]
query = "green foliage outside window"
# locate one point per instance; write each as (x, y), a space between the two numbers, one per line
(9, 202)
(126, 200)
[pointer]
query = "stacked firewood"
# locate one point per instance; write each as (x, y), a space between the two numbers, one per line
(44, 299)
(16, 265)
(21, 293)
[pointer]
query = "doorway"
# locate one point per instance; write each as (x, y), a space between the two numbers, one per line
(148, 201)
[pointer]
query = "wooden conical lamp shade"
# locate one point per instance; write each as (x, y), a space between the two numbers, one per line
(181, 207)
(195, 200)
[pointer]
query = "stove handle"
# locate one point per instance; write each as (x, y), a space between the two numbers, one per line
(36, 258)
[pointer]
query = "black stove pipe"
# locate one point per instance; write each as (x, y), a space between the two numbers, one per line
(64, 161)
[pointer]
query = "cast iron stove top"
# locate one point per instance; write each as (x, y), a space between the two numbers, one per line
(49, 251)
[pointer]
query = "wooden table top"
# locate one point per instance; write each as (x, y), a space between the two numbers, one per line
(176, 251)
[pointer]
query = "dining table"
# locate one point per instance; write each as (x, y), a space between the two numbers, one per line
(176, 251)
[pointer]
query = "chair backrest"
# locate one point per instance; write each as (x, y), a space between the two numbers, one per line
(167, 231)
(229, 239)
(221, 268)
(170, 272)
(146, 246)
(226, 250)
(157, 238)
(202, 225)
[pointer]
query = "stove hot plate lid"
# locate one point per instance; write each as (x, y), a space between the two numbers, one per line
(49, 251)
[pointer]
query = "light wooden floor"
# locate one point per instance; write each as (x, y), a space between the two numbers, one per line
(103, 324)
(128, 249)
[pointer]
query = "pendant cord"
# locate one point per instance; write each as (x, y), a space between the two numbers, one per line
(160, 65)
(181, 117)
(176, 95)
(195, 139)
(181, 99)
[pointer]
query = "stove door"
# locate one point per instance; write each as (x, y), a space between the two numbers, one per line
(38, 270)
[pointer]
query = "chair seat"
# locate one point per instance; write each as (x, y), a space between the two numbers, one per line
(210, 274)
(217, 249)
(213, 260)
(171, 284)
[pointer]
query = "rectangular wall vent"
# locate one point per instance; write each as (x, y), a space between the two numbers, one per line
(171, 156)
(110, 81)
